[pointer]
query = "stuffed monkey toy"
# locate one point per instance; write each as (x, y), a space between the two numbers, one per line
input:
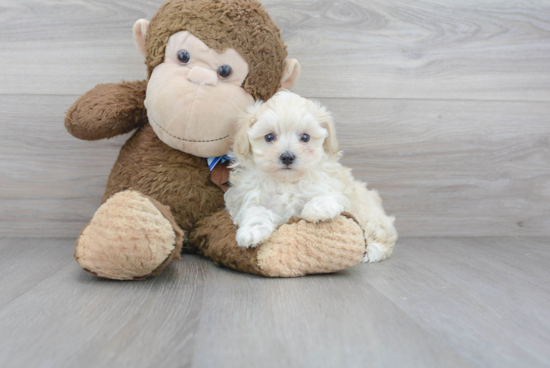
(207, 60)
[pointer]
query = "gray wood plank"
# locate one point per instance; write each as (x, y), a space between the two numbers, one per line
(444, 168)
(438, 302)
(27, 262)
(486, 297)
(494, 50)
(317, 321)
(73, 319)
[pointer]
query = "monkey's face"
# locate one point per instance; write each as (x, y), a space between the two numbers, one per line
(195, 97)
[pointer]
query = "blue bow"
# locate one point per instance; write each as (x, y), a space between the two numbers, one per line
(213, 161)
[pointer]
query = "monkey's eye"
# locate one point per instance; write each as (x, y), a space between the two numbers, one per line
(270, 137)
(184, 57)
(304, 137)
(224, 71)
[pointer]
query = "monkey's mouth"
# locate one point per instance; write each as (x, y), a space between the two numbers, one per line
(187, 140)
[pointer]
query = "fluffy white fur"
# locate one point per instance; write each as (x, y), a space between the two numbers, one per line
(265, 191)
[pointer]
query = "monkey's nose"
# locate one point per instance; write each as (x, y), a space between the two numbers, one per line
(287, 158)
(200, 75)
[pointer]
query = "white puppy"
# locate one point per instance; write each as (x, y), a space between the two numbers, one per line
(286, 164)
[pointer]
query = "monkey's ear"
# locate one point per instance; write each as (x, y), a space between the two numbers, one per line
(140, 32)
(290, 74)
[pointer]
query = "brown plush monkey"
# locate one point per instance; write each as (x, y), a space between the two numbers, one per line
(207, 60)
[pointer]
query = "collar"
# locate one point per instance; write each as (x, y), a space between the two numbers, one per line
(213, 161)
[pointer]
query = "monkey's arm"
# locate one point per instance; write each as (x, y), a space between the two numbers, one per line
(108, 110)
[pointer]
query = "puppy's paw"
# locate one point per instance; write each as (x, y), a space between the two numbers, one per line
(381, 236)
(377, 252)
(249, 236)
(321, 208)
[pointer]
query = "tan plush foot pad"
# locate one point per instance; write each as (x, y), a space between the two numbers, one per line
(130, 237)
(301, 248)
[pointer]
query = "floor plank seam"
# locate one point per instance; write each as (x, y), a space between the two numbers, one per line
(42, 280)
(317, 97)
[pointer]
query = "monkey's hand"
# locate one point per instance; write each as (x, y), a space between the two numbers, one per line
(108, 110)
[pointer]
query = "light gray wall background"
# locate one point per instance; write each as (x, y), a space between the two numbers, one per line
(443, 106)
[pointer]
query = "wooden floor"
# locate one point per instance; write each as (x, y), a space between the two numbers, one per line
(439, 302)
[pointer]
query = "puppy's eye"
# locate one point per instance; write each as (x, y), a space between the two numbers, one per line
(270, 137)
(224, 71)
(184, 56)
(304, 137)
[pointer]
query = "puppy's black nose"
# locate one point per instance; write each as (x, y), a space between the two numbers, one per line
(287, 158)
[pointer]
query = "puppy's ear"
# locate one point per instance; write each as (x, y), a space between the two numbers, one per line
(331, 142)
(241, 144)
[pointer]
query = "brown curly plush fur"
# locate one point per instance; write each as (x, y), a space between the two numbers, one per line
(214, 238)
(107, 111)
(174, 178)
(243, 25)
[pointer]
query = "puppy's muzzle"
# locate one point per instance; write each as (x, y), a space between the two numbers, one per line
(287, 158)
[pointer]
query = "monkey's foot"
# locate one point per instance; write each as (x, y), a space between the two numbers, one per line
(130, 237)
(300, 248)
